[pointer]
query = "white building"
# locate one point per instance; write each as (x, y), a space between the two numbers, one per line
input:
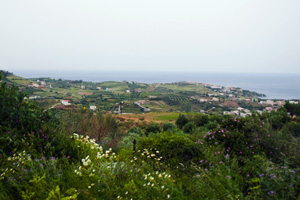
(66, 102)
(203, 100)
(93, 107)
(34, 97)
(293, 102)
(35, 85)
(269, 109)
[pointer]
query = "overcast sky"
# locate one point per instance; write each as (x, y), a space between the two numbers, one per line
(177, 35)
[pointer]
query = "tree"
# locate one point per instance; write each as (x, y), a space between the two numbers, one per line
(181, 120)
(189, 127)
(20, 119)
(293, 109)
(201, 119)
(169, 127)
(153, 128)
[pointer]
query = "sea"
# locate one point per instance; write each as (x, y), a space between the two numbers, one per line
(273, 85)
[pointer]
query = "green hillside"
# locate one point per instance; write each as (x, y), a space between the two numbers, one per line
(84, 154)
(140, 97)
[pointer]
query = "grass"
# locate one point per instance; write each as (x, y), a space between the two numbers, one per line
(119, 86)
(159, 117)
(189, 87)
(167, 117)
(158, 106)
(18, 80)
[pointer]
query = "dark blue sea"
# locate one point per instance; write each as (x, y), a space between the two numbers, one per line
(275, 86)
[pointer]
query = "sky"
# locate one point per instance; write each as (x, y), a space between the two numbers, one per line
(158, 35)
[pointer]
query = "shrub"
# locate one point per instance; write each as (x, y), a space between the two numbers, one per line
(293, 128)
(20, 120)
(182, 120)
(189, 127)
(169, 127)
(153, 128)
(278, 119)
(211, 125)
(127, 141)
(175, 148)
(136, 130)
(201, 119)
(85, 122)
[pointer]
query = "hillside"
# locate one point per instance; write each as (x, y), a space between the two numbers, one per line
(133, 97)
(85, 154)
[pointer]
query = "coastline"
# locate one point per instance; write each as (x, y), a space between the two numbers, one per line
(274, 86)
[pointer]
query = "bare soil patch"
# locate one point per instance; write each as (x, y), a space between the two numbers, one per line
(85, 93)
(230, 103)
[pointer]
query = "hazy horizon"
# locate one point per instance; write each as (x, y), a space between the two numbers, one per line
(249, 36)
(34, 72)
(275, 86)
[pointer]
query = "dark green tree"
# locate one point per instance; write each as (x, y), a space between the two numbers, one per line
(169, 127)
(201, 119)
(189, 127)
(153, 128)
(20, 119)
(182, 120)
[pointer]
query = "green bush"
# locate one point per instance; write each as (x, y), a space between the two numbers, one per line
(136, 130)
(169, 127)
(23, 124)
(201, 119)
(153, 128)
(175, 148)
(182, 120)
(189, 127)
(127, 141)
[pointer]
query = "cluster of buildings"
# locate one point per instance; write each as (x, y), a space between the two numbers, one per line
(275, 104)
(39, 84)
(69, 102)
(239, 112)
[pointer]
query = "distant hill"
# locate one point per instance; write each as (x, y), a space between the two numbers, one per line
(6, 74)
(10, 78)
